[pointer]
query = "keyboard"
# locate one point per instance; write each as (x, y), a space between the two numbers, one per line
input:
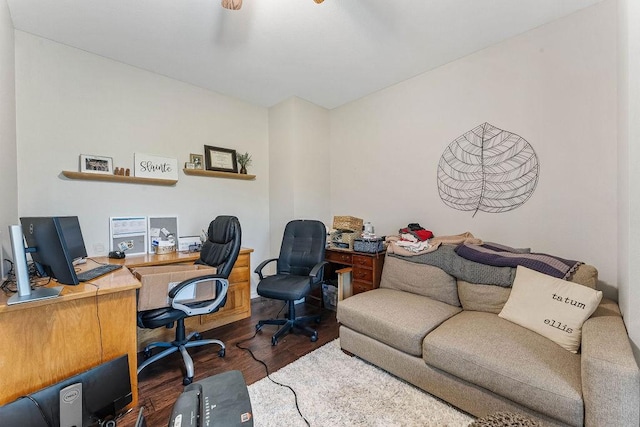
(85, 276)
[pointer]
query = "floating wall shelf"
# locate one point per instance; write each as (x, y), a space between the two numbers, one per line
(118, 178)
(216, 174)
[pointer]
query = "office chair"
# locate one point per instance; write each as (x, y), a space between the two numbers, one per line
(299, 270)
(220, 251)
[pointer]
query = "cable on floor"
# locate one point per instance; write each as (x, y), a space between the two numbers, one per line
(266, 368)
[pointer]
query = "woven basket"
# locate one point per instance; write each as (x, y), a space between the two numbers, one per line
(347, 223)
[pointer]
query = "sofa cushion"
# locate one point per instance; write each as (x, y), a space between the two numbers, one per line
(478, 297)
(550, 306)
(509, 360)
(586, 275)
(421, 279)
(396, 318)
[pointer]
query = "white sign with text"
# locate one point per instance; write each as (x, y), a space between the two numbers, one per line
(150, 166)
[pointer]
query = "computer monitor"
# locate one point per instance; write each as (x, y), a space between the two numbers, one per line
(53, 244)
(104, 392)
(70, 228)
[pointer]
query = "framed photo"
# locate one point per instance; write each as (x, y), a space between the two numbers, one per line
(197, 160)
(96, 164)
(220, 159)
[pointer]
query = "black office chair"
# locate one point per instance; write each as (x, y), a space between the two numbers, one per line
(220, 251)
(299, 270)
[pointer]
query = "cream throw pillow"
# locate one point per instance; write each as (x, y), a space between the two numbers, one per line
(552, 307)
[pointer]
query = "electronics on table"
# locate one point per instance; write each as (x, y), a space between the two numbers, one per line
(54, 243)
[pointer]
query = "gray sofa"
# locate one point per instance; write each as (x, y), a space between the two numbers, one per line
(444, 336)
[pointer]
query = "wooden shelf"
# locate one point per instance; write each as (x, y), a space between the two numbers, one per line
(118, 178)
(216, 174)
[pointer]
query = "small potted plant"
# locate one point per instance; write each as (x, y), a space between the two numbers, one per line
(244, 160)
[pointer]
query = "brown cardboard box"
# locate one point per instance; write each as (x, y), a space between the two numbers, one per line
(158, 281)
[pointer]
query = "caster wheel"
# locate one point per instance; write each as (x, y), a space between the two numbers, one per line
(146, 354)
(274, 341)
(197, 337)
(187, 381)
(222, 352)
(258, 327)
(314, 337)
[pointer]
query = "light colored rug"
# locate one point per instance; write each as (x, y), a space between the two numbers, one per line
(338, 390)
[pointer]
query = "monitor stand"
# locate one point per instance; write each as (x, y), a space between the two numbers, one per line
(25, 294)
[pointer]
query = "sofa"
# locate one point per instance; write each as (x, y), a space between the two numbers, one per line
(446, 336)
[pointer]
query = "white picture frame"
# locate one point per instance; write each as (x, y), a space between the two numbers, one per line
(96, 164)
(161, 228)
(128, 229)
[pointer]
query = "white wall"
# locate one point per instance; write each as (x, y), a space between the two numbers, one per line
(70, 102)
(629, 166)
(8, 168)
(555, 86)
(299, 174)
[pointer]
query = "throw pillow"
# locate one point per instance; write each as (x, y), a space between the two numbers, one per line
(552, 307)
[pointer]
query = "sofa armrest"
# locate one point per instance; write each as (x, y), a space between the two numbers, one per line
(610, 375)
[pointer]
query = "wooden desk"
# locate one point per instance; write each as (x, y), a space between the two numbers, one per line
(367, 268)
(44, 342)
(150, 260)
(238, 304)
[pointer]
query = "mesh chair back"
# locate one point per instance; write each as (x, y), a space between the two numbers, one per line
(223, 245)
(303, 246)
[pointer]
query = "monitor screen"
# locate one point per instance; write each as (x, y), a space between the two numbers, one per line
(70, 228)
(48, 247)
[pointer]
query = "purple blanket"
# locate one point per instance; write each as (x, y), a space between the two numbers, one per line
(501, 256)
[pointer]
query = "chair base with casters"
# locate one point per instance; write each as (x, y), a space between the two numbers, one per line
(291, 322)
(180, 344)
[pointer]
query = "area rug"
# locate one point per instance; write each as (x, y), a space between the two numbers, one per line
(334, 389)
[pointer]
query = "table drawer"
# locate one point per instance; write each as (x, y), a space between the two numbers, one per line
(364, 261)
(359, 287)
(362, 274)
(338, 257)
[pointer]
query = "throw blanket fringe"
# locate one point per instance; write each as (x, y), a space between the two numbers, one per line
(501, 256)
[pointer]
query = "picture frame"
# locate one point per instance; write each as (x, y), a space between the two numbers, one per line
(197, 160)
(96, 164)
(220, 159)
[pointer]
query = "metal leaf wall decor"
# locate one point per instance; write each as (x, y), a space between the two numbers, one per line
(487, 169)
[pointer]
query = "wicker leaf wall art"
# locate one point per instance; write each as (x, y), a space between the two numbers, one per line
(487, 169)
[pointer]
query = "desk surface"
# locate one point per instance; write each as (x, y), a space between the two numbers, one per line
(117, 281)
(150, 260)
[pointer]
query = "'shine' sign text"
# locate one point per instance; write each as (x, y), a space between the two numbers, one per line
(150, 166)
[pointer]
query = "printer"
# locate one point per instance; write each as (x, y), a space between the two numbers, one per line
(219, 400)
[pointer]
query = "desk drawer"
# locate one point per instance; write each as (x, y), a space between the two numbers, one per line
(338, 257)
(362, 274)
(363, 261)
(360, 287)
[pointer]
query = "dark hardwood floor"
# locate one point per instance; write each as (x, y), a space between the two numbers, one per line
(160, 384)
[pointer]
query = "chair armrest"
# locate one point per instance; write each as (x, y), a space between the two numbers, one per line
(316, 269)
(222, 287)
(259, 268)
(610, 375)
